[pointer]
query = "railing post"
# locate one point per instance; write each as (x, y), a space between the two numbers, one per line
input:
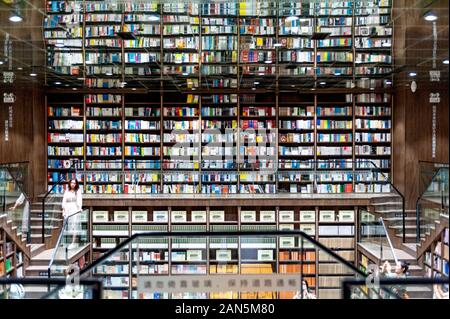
(417, 223)
(43, 221)
(404, 220)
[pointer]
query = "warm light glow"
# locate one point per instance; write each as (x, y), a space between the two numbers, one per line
(430, 16)
(15, 18)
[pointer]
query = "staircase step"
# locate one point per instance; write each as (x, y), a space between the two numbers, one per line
(39, 235)
(36, 249)
(46, 227)
(401, 227)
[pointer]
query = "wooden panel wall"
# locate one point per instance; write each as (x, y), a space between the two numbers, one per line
(27, 136)
(412, 140)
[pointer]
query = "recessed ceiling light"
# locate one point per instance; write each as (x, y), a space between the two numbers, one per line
(19, 69)
(108, 73)
(1, 62)
(445, 61)
(185, 73)
(66, 85)
(15, 17)
(430, 16)
(388, 82)
(123, 83)
(268, 62)
(412, 74)
(277, 45)
(133, 89)
(80, 79)
(323, 83)
(33, 74)
(58, 83)
(372, 89)
(253, 89)
(255, 83)
(313, 89)
(74, 89)
(292, 86)
(337, 73)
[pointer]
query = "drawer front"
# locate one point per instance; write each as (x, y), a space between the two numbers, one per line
(216, 216)
(308, 216)
(286, 216)
(139, 216)
(327, 216)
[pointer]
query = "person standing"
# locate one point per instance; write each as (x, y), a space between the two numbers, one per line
(306, 293)
(400, 272)
(71, 206)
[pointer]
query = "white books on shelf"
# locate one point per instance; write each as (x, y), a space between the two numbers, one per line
(223, 245)
(189, 245)
(286, 227)
(259, 245)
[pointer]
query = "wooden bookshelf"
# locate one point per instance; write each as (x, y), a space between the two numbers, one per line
(435, 260)
(221, 255)
(12, 260)
(204, 50)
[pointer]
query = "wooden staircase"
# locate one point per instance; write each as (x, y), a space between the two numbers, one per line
(53, 223)
(432, 235)
(15, 235)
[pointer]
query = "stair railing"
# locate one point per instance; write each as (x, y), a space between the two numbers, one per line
(7, 168)
(76, 231)
(441, 177)
(389, 241)
(61, 180)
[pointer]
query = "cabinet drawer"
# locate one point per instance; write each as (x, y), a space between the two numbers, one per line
(327, 216)
(308, 216)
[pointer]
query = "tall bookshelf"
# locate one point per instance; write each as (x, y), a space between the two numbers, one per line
(436, 258)
(221, 256)
(13, 261)
(249, 55)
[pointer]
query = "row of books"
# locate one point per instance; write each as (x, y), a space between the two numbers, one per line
(65, 125)
(64, 111)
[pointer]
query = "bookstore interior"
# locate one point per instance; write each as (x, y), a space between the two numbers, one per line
(211, 149)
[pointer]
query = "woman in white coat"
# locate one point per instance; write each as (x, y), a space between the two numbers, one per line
(71, 206)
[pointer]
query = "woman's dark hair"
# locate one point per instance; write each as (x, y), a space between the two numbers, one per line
(405, 266)
(77, 185)
(306, 284)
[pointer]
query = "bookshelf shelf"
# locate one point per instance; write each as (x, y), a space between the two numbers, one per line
(200, 29)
